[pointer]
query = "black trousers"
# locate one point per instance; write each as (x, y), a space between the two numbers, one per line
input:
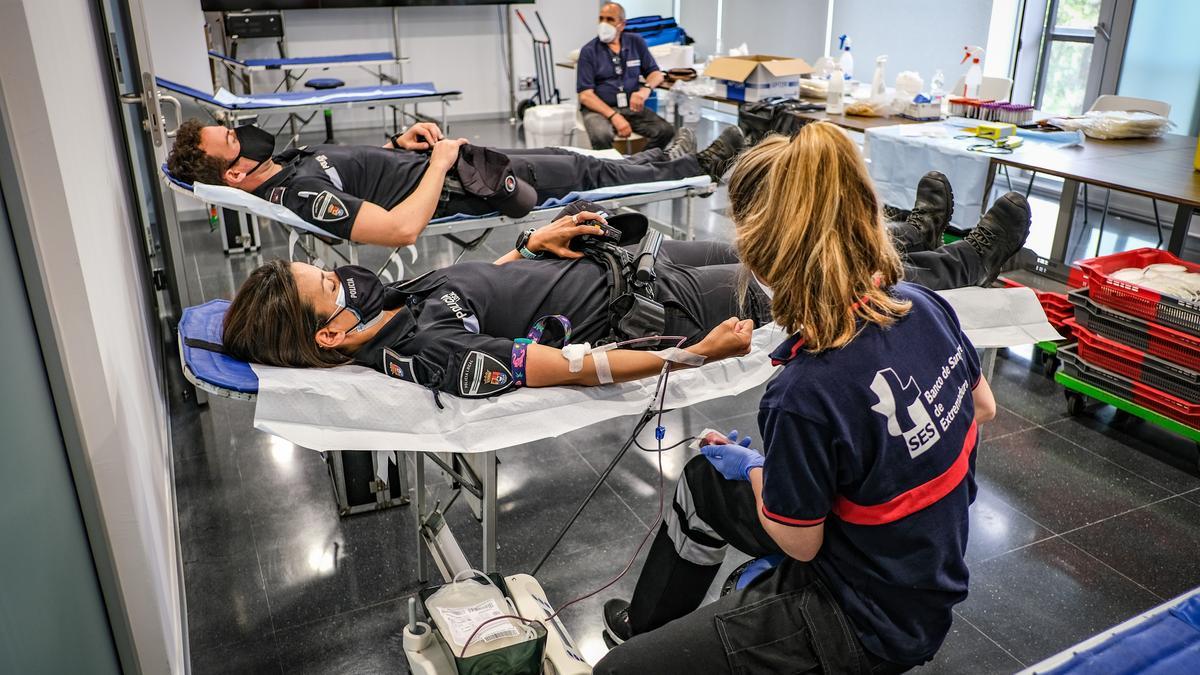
(785, 621)
(710, 289)
(600, 131)
(555, 172)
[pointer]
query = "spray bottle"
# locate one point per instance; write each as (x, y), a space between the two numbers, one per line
(847, 60)
(879, 81)
(974, 76)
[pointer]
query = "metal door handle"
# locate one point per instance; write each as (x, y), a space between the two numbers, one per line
(178, 113)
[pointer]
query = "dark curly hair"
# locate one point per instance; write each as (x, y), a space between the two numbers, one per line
(188, 162)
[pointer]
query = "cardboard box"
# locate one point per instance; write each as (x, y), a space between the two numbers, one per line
(758, 76)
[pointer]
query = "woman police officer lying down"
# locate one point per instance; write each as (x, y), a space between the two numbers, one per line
(869, 432)
(465, 330)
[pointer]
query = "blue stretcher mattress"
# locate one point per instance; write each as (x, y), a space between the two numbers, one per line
(308, 60)
(203, 322)
(1166, 644)
(286, 99)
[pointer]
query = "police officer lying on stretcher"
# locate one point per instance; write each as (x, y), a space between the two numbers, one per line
(387, 195)
(476, 329)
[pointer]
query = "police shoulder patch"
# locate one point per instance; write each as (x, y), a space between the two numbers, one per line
(277, 195)
(483, 375)
(399, 367)
(328, 208)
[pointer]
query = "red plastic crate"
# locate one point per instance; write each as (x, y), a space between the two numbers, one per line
(1136, 364)
(1166, 343)
(1135, 300)
(1123, 387)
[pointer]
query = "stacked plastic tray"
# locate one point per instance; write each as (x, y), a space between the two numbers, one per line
(1136, 344)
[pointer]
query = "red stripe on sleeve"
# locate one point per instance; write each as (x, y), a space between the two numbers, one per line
(794, 522)
(911, 501)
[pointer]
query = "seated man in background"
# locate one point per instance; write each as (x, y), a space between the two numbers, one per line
(387, 195)
(610, 93)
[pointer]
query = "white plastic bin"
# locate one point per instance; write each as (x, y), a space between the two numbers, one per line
(549, 125)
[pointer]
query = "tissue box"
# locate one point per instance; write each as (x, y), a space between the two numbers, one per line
(756, 77)
(922, 112)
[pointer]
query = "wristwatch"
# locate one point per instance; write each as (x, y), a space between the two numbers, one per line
(522, 246)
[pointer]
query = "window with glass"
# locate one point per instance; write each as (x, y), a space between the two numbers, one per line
(1066, 55)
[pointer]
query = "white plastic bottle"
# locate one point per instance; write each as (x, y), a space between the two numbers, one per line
(834, 103)
(879, 81)
(937, 87)
(846, 62)
(974, 77)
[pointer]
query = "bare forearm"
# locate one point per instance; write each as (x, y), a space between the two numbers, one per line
(415, 212)
(801, 543)
(654, 79)
(547, 367)
(591, 101)
(511, 256)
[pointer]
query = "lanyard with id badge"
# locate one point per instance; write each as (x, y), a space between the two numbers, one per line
(618, 63)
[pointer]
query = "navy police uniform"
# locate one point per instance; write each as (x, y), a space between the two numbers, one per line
(326, 185)
(876, 440)
(462, 326)
(614, 77)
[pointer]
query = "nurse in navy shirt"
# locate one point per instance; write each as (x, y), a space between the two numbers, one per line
(870, 430)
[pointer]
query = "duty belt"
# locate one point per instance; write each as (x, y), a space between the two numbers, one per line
(633, 311)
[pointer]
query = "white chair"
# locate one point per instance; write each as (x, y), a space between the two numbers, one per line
(1107, 102)
(991, 89)
(1131, 104)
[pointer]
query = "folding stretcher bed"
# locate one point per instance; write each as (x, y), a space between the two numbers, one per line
(307, 62)
(356, 408)
(321, 245)
(1162, 641)
(229, 106)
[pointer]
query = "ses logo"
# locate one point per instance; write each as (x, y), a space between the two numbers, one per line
(906, 414)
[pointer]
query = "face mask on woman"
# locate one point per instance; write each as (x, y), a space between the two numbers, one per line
(257, 145)
(360, 293)
(606, 32)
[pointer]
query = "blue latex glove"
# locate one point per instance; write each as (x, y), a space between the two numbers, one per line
(734, 459)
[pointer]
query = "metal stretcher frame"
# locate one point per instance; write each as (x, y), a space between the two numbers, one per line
(478, 480)
(474, 473)
(471, 472)
(307, 62)
(231, 111)
(322, 248)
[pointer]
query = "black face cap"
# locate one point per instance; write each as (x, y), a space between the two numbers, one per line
(488, 174)
(631, 224)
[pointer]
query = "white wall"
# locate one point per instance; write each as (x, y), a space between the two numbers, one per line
(177, 41)
(699, 19)
(920, 35)
(460, 48)
(779, 27)
(56, 92)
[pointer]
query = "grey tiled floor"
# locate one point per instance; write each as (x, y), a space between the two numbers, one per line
(1079, 524)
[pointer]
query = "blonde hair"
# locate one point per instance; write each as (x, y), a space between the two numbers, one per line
(809, 226)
